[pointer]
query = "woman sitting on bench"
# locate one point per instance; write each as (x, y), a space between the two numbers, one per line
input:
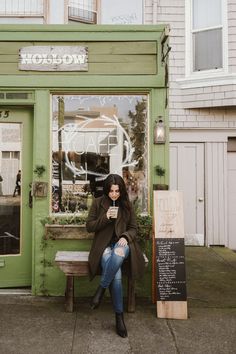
(112, 219)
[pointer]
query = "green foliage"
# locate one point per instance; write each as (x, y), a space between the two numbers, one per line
(144, 222)
(71, 219)
(160, 171)
(39, 170)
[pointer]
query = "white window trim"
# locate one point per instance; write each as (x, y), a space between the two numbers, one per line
(219, 79)
(188, 45)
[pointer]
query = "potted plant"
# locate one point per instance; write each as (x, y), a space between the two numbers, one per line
(67, 227)
(160, 172)
(72, 227)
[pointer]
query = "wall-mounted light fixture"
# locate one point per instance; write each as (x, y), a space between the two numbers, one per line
(159, 132)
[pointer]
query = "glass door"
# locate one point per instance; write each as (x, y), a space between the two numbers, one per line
(15, 211)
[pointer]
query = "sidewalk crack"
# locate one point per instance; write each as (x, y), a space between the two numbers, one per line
(73, 338)
(173, 336)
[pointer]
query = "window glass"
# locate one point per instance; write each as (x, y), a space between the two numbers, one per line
(92, 136)
(208, 50)
(207, 39)
(206, 13)
(10, 187)
(18, 95)
(231, 145)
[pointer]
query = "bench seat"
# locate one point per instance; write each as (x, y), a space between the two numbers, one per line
(75, 263)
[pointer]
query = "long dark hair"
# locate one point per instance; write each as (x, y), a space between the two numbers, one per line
(116, 179)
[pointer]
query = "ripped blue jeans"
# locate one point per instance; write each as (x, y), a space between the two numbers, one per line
(111, 262)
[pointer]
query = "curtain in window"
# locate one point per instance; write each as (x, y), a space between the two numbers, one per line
(208, 50)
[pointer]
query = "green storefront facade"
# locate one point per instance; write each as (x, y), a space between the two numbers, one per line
(70, 83)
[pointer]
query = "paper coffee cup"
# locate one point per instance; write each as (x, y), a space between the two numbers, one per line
(114, 212)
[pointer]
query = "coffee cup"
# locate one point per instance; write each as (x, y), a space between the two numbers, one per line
(113, 211)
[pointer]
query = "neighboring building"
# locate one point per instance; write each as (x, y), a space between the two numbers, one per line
(202, 113)
(71, 12)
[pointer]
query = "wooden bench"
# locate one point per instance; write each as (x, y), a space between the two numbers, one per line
(75, 264)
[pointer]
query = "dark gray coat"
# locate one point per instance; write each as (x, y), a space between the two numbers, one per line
(102, 227)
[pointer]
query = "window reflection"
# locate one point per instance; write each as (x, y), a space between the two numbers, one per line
(92, 137)
(10, 187)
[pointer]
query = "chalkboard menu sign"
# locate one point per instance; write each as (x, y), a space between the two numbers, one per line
(171, 283)
(169, 261)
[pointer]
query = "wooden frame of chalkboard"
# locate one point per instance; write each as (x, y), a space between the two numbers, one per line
(169, 276)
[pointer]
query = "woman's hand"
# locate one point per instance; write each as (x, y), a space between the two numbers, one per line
(109, 213)
(122, 242)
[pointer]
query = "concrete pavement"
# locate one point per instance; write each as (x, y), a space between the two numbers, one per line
(39, 325)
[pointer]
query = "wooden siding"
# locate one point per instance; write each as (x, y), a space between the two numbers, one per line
(216, 198)
(232, 35)
(104, 58)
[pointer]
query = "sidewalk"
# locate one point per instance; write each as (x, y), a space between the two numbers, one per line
(32, 325)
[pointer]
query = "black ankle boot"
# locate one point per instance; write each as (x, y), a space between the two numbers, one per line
(96, 300)
(120, 325)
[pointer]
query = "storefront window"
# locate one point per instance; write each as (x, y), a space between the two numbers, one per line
(92, 136)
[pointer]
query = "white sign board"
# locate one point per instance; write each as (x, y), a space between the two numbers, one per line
(122, 12)
(53, 58)
(169, 255)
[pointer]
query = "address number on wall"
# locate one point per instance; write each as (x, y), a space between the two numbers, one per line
(4, 114)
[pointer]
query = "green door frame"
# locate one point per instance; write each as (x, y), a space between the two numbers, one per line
(16, 270)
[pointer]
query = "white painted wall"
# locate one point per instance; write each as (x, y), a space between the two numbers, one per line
(56, 14)
(122, 12)
(231, 200)
(216, 193)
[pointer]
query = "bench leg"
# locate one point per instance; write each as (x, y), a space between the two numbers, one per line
(131, 295)
(69, 304)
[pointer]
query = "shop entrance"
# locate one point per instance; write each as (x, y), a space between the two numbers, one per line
(15, 209)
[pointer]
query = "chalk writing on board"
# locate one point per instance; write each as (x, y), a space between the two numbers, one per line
(171, 283)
